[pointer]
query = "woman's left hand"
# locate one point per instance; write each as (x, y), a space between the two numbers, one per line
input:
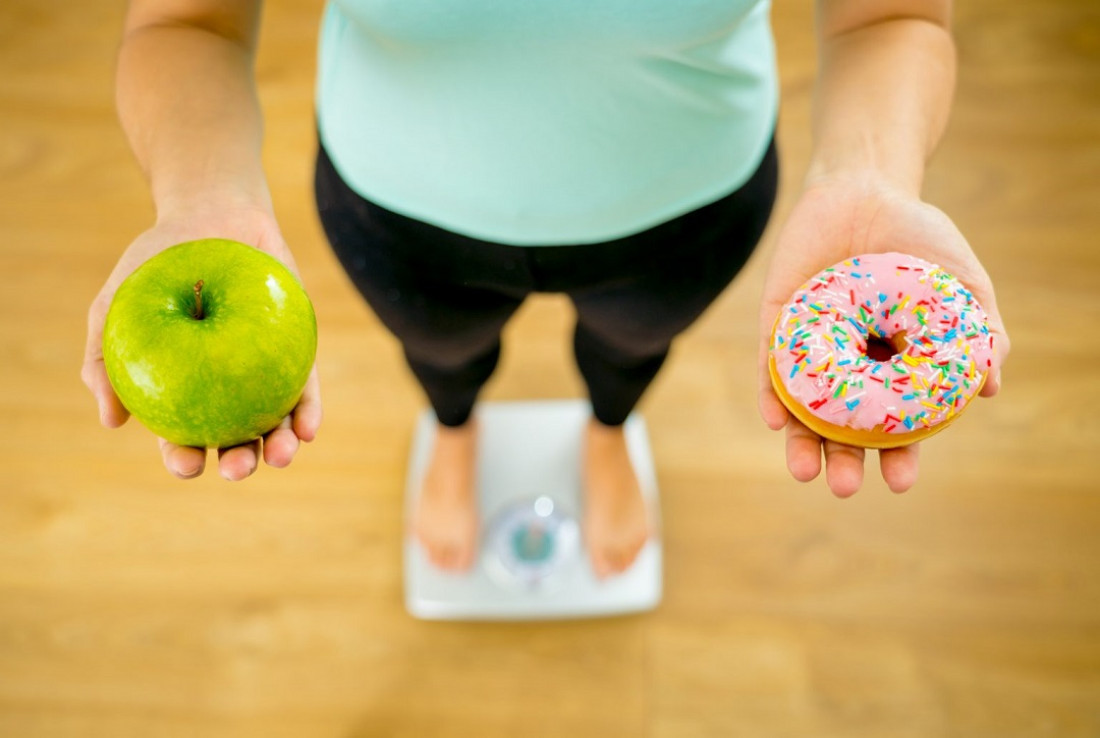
(833, 220)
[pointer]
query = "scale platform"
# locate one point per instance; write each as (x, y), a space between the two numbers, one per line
(532, 564)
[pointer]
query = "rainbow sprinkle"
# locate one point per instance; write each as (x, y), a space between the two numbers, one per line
(946, 349)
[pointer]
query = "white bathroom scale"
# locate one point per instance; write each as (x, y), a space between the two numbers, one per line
(532, 564)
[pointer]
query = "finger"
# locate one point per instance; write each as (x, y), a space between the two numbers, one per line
(1002, 344)
(803, 451)
(307, 415)
(899, 466)
(280, 445)
(185, 462)
(94, 374)
(992, 384)
(112, 414)
(974, 276)
(237, 462)
(963, 263)
(843, 468)
(772, 410)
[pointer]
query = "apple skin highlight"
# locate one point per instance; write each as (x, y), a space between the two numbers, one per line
(210, 343)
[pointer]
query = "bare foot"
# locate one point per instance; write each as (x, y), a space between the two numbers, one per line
(446, 518)
(616, 522)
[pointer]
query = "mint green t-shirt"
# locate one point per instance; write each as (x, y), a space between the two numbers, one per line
(540, 122)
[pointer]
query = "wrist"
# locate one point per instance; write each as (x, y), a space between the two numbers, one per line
(212, 202)
(213, 216)
(219, 176)
(866, 184)
(863, 164)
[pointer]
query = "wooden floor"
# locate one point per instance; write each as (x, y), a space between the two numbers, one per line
(134, 605)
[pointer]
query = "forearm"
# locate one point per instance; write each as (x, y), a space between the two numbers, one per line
(882, 98)
(187, 101)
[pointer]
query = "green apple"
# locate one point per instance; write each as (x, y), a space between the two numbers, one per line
(210, 342)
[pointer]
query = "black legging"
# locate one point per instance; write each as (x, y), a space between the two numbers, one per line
(446, 296)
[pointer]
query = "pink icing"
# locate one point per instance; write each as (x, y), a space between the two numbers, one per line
(820, 344)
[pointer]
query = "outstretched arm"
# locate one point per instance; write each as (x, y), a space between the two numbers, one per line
(881, 102)
(187, 101)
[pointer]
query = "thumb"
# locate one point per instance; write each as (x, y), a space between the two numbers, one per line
(94, 373)
(771, 409)
(1001, 342)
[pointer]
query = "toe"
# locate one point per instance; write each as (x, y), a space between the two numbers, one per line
(465, 559)
(600, 566)
(615, 560)
(437, 555)
(449, 556)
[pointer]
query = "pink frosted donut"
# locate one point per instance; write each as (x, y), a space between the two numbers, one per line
(880, 351)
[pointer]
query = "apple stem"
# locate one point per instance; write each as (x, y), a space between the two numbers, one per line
(198, 314)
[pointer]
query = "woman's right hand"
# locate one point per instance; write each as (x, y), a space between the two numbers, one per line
(252, 226)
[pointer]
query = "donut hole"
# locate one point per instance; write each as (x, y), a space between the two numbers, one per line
(884, 349)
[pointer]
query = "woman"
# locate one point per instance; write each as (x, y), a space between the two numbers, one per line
(476, 152)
